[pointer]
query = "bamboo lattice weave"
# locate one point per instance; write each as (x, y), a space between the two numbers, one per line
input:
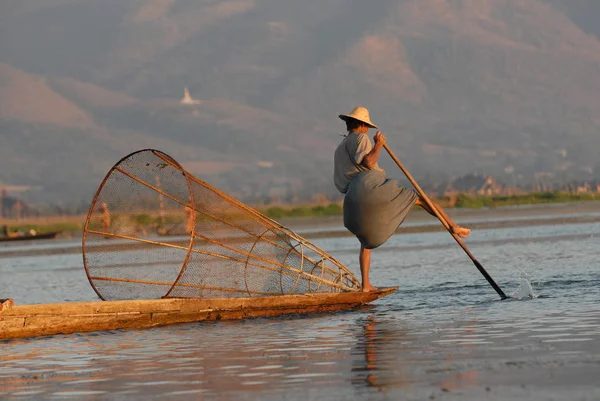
(155, 230)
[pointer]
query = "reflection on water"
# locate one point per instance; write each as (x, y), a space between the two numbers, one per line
(444, 334)
(378, 369)
(351, 354)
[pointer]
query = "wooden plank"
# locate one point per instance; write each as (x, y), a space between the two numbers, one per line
(11, 323)
(161, 318)
(65, 318)
(48, 325)
(187, 304)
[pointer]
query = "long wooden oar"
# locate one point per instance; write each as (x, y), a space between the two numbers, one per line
(445, 223)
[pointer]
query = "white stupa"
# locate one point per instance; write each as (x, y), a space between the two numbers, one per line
(187, 99)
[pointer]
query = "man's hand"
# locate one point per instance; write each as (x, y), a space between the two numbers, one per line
(379, 139)
(370, 159)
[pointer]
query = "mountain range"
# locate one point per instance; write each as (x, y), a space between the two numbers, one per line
(509, 88)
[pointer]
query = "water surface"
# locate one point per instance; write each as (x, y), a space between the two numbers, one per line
(443, 335)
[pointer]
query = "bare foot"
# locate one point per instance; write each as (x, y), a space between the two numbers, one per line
(368, 288)
(462, 232)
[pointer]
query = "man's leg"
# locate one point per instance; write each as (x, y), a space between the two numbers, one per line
(365, 264)
(458, 230)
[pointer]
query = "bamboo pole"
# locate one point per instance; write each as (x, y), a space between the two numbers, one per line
(424, 196)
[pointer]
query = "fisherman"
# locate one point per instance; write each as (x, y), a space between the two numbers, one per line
(190, 219)
(374, 206)
(105, 217)
(10, 234)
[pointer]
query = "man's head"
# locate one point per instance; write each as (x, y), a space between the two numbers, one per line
(354, 125)
(358, 120)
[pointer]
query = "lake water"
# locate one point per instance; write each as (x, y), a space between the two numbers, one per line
(444, 334)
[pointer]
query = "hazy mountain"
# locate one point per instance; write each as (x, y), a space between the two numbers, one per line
(458, 86)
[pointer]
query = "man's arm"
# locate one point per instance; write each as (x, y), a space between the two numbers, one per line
(370, 159)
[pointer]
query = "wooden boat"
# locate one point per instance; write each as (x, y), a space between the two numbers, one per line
(232, 263)
(26, 236)
(75, 317)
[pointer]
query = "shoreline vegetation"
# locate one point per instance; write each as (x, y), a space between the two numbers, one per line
(461, 201)
(72, 225)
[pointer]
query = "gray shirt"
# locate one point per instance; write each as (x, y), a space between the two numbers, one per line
(348, 158)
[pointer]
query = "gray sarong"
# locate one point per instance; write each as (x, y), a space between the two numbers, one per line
(374, 207)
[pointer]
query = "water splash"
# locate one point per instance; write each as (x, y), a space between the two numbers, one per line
(525, 290)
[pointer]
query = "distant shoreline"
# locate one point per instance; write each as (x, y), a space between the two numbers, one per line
(331, 215)
(418, 215)
(418, 221)
(459, 201)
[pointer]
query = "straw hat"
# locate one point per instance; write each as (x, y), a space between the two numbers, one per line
(361, 114)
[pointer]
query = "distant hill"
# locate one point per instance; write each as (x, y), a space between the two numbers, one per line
(501, 87)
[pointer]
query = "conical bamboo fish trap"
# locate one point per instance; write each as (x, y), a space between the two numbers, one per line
(155, 230)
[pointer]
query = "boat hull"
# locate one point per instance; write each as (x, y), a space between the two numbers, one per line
(76, 317)
(28, 237)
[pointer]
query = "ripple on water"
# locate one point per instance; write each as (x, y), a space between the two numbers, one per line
(444, 329)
